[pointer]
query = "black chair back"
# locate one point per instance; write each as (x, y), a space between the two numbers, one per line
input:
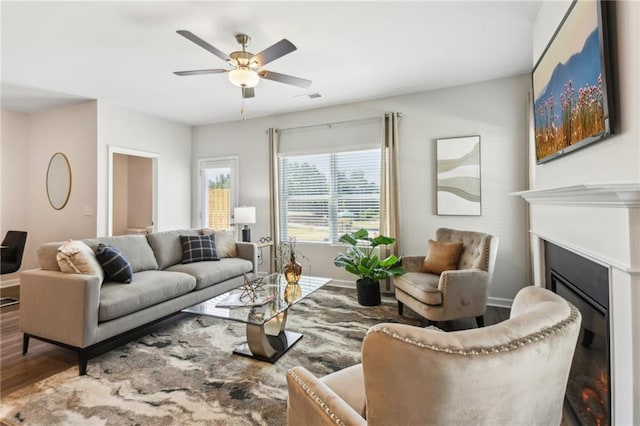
(12, 251)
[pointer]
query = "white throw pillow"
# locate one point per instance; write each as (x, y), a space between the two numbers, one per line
(225, 242)
(75, 257)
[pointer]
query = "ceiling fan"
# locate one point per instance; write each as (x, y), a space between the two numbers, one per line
(245, 67)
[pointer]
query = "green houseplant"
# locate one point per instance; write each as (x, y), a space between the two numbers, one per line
(361, 260)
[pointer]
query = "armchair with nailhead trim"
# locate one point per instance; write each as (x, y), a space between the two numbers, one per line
(513, 372)
(459, 293)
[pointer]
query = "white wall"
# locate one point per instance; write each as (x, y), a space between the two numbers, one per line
(14, 144)
(616, 158)
(495, 110)
(71, 130)
(123, 128)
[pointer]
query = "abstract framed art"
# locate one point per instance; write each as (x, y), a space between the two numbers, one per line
(458, 176)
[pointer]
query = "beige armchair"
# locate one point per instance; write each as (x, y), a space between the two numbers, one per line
(454, 294)
(511, 373)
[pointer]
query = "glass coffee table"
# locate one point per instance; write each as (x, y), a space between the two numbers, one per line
(267, 339)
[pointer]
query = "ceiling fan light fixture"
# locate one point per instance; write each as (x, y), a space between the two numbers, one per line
(244, 77)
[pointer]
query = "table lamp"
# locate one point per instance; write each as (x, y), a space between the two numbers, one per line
(245, 215)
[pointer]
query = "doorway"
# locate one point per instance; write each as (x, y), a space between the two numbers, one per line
(133, 200)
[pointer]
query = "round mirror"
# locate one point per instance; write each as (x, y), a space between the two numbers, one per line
(58, 181)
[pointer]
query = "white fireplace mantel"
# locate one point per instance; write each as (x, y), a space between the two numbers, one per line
(600, 221)
(613, 194)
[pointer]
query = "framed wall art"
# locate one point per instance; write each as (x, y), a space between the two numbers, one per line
(573, 102)
(458, 176)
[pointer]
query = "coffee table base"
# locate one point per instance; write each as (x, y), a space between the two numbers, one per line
(281, 343)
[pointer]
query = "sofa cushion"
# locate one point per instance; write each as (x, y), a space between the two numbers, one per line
(210, 273)
(167, 247)
(421, 286)
(198, 248)
(134, 248)
(442, 257)
(115, 265)
(225, 242)
(75, 257)
(147, 288)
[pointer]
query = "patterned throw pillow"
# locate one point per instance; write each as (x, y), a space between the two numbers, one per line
(115, 266)
(198, 248)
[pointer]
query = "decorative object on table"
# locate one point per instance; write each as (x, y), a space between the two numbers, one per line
(458, 172)
(573, 104)
(250, 287)
(292, 292)
(248, 296)
(245, 216)
(287, 264)
(361, 260)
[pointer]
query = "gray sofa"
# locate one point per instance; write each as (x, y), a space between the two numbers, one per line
(79, 312)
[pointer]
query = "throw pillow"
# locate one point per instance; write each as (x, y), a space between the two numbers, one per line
(198, 248)
(225, 242)
(115, 265)
(75, 257)
(441, 257)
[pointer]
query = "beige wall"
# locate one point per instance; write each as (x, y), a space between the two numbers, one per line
(14, 144)
(120, 194)
(495, 110)
(140, 183)
(71, 130)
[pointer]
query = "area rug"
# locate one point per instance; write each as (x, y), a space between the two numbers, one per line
(186, 374)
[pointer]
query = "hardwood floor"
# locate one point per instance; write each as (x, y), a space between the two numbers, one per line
(42, 361)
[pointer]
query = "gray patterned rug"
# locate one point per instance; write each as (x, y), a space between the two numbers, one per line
(185, 373)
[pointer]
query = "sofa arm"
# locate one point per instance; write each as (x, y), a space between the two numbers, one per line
(467, 289)
(311, 402)
(248, 251)
(60, 307)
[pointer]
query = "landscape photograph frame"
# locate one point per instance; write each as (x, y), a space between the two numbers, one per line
(571, 83)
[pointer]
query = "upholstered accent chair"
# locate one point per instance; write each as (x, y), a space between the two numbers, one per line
(511, 373)
(453, 294)
(12, 251)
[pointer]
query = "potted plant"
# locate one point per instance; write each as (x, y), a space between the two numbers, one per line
(362, 260)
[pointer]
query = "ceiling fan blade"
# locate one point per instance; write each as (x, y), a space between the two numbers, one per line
(248, 92)
(286, 79)
(198, 72)
(273, 52)
(200, 42)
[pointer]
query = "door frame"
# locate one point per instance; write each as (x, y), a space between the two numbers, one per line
(155, 161)
(202, 162)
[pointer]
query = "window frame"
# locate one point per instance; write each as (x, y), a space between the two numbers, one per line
(333, 198)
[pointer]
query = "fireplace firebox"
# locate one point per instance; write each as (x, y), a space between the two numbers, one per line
(585, 284)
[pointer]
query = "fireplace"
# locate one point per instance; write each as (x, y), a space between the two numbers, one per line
(585, 284)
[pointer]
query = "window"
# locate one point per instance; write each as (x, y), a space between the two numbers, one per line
(323, 196)
(218, 182)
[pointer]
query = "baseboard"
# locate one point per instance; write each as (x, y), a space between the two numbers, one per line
(500, 302)
(10, 283)
(341, 283)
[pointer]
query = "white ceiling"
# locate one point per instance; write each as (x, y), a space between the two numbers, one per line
(126, 52)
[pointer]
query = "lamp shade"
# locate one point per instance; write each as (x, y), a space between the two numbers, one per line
(244, 215)
(244, 77)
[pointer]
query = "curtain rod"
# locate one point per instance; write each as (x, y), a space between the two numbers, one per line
(334, 123)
